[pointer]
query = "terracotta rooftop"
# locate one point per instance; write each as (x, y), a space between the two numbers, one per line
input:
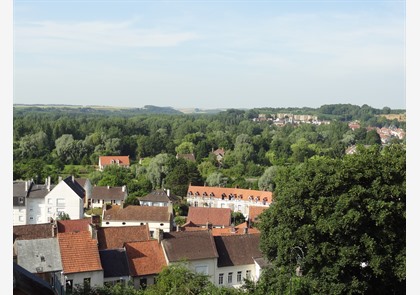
(121, 160)
(74, 225)
(204, 215)
(237, 230)
(145, 258)
(254, 212)
(189, 245)
(79, 252)
(140, 213)
(237, 249)
(235, 193)
(115, 236)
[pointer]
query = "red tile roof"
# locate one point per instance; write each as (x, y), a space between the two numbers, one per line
(114, 237)
(141, 213)
(204, 215)
(145, 258)
(254, 211)
(120, 160)
(240, 229)
(238, 193)
(79, 252)
(74, 225)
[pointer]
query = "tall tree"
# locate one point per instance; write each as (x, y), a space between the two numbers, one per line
(347, 216)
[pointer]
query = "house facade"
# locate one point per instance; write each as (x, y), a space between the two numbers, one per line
(102, 195)
(238, 200)
(157, 218)
(121, 161)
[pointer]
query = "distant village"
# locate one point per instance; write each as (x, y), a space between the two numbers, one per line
(131, 243)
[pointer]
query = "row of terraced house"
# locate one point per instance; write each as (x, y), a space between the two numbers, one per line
(132, 243)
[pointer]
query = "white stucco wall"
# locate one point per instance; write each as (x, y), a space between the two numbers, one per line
(166, 227)
(96, 278)
(235, 269)
(72, 205)
(19, 215)
(35, 211)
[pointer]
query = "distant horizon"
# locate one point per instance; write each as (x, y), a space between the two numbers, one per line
(189, 108)
(210, 54)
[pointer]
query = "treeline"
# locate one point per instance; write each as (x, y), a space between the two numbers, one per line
(56, 142)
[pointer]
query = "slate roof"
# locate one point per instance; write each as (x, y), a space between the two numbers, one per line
(33, 231)
(75, 186)
(114, 237)
(145, 258)
(109, 193)
(204, 215)
(140, 213)
(79, 252)
(189, 245)
(114, 263)
(237, 249)
(25, 282)
(74, 225)
(39, 255)
(159, 195)
(238, 193)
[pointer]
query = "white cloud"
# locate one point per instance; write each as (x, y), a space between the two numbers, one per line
(90, 36)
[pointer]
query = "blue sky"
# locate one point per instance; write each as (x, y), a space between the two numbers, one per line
(210, 54)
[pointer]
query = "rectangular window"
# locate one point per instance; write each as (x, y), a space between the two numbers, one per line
(220, 279)
(86, 281)
(50, 201)
(61, 202)
(230, 277)
(248, 274)
(21, 218)
(239, 208)
(50, 210)
(239, 277)
(202, 269)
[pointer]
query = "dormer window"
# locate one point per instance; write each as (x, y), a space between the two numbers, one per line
(223, 196)
(250, 198)
(197, 193)
(190, 193)
(204, 194)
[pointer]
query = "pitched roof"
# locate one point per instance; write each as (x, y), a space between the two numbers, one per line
(114, 262)
(237, 249)
(145, 258)
(204, 215)
(159, 195)
(33, 231)
(81, 181)
(189, 245)
(75, 186)
(240, 229)
(79, 252)
(109, 193)
(74, 225)
(238, 193)
(115, 236)
(24, 282)
(121, 160)
(255, 211)
(39, 255)
(140, 213)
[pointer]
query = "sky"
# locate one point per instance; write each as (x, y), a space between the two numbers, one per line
(210, 54)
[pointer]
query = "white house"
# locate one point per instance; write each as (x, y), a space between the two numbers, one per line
(39, 203)
(157, 218)
(238, 200)
(102, 195)
(196, 248)
(80, 259)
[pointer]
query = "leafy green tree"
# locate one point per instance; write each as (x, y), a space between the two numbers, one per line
(158, 169)
(267, 181)
(237, 218)
(347, 216)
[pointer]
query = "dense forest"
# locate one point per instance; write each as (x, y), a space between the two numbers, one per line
(339, 218)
